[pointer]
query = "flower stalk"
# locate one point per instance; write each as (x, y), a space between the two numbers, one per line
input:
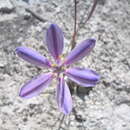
(60, 69)
(76, 30)
(73, 41)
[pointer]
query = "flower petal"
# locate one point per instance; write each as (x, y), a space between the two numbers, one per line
(32, 56)
(80, 51)
(36, 85)
(84, 77)
(54, 39)
(64, 99)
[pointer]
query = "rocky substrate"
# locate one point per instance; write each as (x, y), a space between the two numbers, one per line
(106, 106)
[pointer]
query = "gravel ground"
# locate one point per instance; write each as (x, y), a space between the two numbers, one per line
(106, 106)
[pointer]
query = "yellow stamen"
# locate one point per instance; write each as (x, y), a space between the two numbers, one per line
(53, 65)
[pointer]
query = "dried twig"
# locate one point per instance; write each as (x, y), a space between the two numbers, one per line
(35, 15)
(31, 12)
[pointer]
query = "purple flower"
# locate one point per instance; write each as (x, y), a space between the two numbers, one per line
(55, 44)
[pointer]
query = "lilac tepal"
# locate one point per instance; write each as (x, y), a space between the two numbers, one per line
(80, 51)
(54, 40)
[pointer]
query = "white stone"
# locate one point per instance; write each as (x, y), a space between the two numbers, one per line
(5, 4)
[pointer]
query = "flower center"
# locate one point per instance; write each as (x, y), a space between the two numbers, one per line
(58, 69)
